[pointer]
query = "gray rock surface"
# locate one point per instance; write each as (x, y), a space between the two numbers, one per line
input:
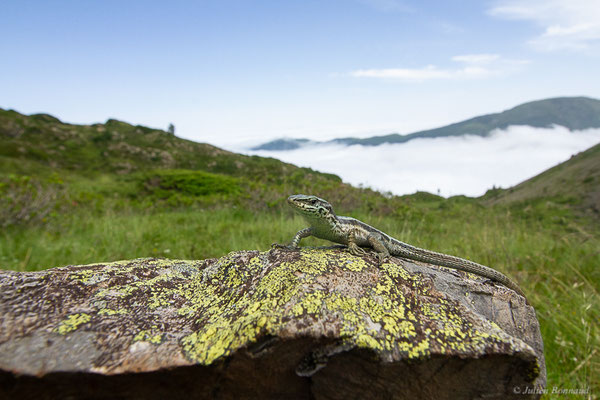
(310, 324)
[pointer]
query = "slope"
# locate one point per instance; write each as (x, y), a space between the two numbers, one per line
(41, 145)
(576, 182)
(118, 147)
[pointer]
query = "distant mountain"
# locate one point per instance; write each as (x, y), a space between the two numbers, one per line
(284, 144)
(574, 113)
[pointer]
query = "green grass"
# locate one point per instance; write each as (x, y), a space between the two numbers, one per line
(85, 238)
(554, 258)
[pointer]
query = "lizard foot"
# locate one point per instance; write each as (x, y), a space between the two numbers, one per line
(382, 257)
(283, 246)
(356, 250)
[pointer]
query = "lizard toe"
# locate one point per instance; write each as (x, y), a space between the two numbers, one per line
(382, 257)
(355, 250)
(282, 246)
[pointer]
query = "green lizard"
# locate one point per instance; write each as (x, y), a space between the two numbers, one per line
(357, 235)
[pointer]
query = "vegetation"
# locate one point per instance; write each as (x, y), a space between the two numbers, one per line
(74, 194)
(575, 182)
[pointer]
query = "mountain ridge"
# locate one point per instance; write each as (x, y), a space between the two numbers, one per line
(574, 113)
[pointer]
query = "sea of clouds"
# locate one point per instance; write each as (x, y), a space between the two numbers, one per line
(467, 165)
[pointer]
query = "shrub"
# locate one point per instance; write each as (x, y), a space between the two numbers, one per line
(165, 183)
(26, 200)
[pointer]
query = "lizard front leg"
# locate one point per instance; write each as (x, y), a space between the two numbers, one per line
(353, 248)
(301, 234)
(382, 252)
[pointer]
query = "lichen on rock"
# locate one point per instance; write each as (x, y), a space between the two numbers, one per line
(71, 323)
(313, 307)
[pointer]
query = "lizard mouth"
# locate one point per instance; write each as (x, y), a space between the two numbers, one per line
(298, 203)
(294, 200)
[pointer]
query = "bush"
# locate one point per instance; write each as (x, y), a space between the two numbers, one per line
(26, 200)
(165, 183)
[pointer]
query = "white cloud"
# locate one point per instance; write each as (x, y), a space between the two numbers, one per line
(475, 66)
(453, 165)
(566, 24)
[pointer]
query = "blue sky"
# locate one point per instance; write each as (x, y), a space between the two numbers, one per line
(228, 72)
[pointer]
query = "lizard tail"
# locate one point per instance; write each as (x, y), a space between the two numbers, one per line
(431, 257)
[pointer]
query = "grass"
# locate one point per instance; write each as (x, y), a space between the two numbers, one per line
(554, 258)
(85, 238)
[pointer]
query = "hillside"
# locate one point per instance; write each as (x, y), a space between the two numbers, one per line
(133, 159)
(118, 147)
(575, 181)
(574, 113)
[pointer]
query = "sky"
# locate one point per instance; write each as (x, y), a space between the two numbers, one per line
(230, 71)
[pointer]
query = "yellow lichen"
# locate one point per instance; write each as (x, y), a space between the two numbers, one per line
(71, 323)
(363, 340)
(381, 316)
(236, 323)
(108, 311)
(148, 336)
(420, 349)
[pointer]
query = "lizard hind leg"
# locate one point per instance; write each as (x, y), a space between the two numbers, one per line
(382, 252)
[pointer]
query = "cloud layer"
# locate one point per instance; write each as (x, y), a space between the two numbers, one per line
(566, 24)
(467, 165)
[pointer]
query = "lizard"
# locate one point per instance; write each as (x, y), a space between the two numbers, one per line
(357, 235)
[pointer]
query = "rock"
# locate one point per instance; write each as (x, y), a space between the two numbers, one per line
(309, 324)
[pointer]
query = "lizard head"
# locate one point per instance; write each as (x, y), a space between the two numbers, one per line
(310, 206)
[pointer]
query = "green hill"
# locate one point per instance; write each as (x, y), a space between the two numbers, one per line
(118, 147)
(131, 157)
(575, 181)
(574, 113)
